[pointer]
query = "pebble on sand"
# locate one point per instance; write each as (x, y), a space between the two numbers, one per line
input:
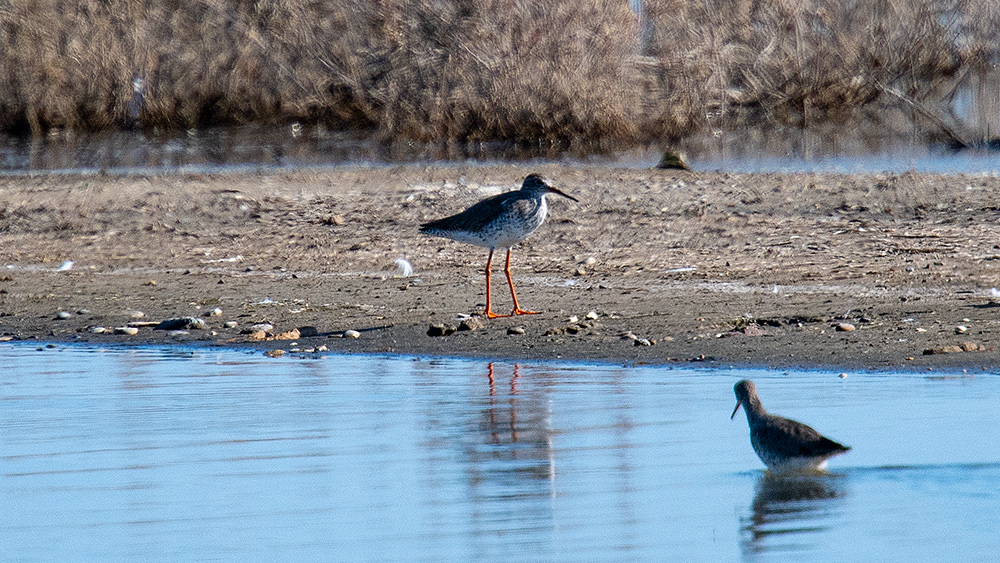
(845, 327)
(515, 330)
(63, 315)
(440, 329)
(182, 323)
(966, 346)
(276, 353)
(129, 330)
(352, 334)
(287, 335)
(471, 323)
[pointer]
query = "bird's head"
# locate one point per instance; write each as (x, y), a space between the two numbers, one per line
(535, 183)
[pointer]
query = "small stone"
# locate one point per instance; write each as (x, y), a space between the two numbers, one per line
(63, 315)
(182, 323)
(580, 272)
(276, 353)
(471, 323)
(308, 331)
(440, 329)
(515, 330)
(642, 342)
(352, 334)
(573, 319)
(942, 350)
(592, 315)
(230, 324)
(129, 330)
(216, 312)
(322, 348)
(590, 261)
(845, 327)
(921, 329)
(961, 329)
(262, 327)
(843, 376)
(98, 330)
(257, 335)
(287, 335)
(136, 314)
(971, 347)
(555, 331)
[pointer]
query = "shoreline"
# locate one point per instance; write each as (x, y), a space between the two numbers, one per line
(709, 268)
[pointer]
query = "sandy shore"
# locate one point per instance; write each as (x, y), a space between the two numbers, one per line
(728, 269)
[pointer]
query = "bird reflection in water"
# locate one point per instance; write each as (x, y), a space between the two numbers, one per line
(516, 428)
(787, 507)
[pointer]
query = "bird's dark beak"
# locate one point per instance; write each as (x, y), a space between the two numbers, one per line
(560, 192)
(734, 410)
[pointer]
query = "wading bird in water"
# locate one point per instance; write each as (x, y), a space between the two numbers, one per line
(783, 445)
(499, 222)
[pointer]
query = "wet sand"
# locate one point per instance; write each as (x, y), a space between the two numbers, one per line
(727, 269)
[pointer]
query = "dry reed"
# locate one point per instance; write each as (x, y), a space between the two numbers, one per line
(467, 70)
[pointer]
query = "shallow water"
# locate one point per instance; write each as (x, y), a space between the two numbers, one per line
(253, 148)
(198, 454)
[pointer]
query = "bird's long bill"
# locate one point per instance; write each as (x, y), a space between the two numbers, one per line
(734, 410)
(562, 193)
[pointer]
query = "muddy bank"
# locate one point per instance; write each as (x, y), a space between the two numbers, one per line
(765, 269)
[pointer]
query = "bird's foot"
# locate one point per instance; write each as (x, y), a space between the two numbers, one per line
(492, 315)
(520, 311)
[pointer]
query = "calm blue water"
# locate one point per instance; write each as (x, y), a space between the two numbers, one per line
(253, 148)
(206, 455)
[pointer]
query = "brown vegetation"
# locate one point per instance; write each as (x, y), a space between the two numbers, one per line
(467, 70)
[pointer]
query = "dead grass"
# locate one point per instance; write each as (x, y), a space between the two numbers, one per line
(469, 70)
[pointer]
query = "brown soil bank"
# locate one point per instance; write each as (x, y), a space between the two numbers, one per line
(765, 269)
(469, 70)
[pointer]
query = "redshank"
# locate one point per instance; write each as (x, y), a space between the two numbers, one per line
(783, 445)
(499, 222)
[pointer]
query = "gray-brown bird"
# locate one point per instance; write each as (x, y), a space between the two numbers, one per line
(783, 445)
(499, 222)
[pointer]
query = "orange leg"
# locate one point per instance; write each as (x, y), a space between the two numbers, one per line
(489, 310)
(517, 308)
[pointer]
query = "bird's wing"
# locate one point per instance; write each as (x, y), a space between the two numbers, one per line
(793, 438)
(474, 218)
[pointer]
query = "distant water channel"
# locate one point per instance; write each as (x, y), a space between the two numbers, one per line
(273, 148)
(204, 455)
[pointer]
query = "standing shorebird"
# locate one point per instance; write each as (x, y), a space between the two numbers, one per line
(782, 444)
(499, 222)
